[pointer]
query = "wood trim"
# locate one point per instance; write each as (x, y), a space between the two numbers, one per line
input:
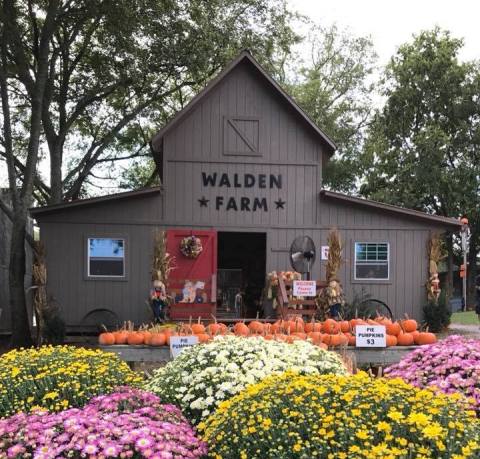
(236, 161)
(214, 288)
(283, 290)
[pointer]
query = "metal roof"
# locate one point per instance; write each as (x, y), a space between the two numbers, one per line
(84, 202)
(391, 208)
(243, 56)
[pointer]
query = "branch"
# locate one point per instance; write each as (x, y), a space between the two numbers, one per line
(8, 212)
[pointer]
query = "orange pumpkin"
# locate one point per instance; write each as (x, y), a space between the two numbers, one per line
(121, 337)
(135, 338)
(415, 335)
(383, 320)
(344, 326)
(322, 345)
(241, 329)
(313, 327)
(106, 339)
(203, 337)
(157, 339)
(146, 336)
(330, 326)
(409, 325)
(300, 335)
(316, 337)
(405, 339)
(426, 338)
(214, 329)
(269, 337)
(256, 327)
(198, 327)
(393, 329)
(391, 340)
(352, 340)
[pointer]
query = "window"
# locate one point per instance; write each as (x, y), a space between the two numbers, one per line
(372, 260)
(106, 257)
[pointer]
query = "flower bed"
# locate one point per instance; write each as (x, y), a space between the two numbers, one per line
(203, 376)
(295, 416)
(451, 365)
(58, 377)
(128, 423)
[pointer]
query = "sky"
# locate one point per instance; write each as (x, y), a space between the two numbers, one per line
(390, 23)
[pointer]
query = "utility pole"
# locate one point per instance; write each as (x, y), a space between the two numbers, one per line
(465, 246)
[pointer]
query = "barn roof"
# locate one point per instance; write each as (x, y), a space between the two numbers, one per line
(244, 56)
(390, 208)
(34, 211)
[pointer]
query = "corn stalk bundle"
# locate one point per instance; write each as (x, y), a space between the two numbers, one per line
(436, 253)
(39, 278)
(162, 262)
(333, 292)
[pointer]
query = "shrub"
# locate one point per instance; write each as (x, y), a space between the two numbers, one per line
(58, 377)
(450, 365)
(331, 416)
(203, 376)
(128, 423)
(436, 316)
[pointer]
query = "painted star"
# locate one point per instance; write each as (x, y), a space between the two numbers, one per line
(203, 202)
(280, 203)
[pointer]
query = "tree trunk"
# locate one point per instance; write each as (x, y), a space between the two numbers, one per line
(18, 302)
(449, 278)
(472, 271)
(56, 175)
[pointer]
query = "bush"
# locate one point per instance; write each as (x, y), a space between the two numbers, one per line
(330, 416)
(58, 377)
(128, 423)
(203, 376)
(436, 316)
(451, 365)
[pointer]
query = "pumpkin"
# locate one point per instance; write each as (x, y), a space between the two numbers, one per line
(344, 326)
(405, 339)
(203, 337)
(316, 337)
(121, 337)
(300, 335)
(338, 340)
(415, 335)
(169, 332)
(295, 326)
(106, 339)
(214, 329)
(256, 327)
(157, 339)
(352, 340)
(391, 340)
(241, 329)
(146, 336)
(426, 338)
(409, 325)
(198, 327)
(330, 326)
(383, 320)
(393, 329)
(135, 338)
(313, 326)
(322, 345)
(269, 337)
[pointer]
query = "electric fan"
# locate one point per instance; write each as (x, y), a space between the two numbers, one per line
(302, 255)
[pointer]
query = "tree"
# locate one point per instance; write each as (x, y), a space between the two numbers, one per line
(335, 87)
(83, 81)
(423, 150)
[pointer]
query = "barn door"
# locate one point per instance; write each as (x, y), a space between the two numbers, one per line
(203, 268)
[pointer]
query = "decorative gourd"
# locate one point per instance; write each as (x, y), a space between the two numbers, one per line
(106, 339)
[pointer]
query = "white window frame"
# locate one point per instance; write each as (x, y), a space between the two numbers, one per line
(355, 262)
(94, 276)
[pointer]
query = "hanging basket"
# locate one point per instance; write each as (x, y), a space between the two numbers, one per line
(191, 246)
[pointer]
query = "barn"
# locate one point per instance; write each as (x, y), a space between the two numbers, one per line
(241, 168)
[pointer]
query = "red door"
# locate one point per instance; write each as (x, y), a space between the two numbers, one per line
(193, 281)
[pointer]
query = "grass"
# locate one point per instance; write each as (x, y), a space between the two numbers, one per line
(465, 318)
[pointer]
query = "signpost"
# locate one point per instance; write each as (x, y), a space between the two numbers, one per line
(179, 343)
(304, 288)
(370, 336)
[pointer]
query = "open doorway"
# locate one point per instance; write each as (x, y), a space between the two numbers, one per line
(241, 268)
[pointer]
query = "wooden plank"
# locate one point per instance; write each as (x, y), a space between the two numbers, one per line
(362, 356)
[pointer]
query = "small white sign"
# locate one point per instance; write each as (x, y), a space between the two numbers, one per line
(324, 252)
(304, 288)
(179, 343)
(370, 336)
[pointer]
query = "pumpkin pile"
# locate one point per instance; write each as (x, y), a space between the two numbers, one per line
(329, 333)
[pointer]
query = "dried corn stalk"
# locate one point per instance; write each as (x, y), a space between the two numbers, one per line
(334, 255)
(162, 262)
(436, 253)
(39, 277)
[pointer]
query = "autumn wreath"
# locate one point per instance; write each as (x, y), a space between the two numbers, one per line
(191, 246)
